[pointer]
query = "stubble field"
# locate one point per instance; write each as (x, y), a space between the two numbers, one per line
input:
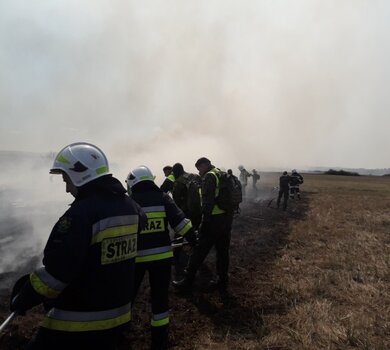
(313, 277)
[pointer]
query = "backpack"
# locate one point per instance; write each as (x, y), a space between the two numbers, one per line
(230, 192)
(193, 185)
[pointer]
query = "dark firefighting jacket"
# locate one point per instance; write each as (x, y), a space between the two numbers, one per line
(154, 242)
(284, 182)
(89, 260)
(296, 179)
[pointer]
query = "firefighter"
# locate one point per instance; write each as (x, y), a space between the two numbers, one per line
(255, 178)
(296, 179)
(244, 174)
(284, 182)
(186, 194)
(167, 185)
(154, 246)
(214, 231)
(88, 269)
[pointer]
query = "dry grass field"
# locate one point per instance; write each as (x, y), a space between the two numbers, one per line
(313, 277)
(333, 274)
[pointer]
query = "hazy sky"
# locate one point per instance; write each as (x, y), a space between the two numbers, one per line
(293, 83)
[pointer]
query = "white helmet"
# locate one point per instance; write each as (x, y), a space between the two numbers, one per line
(82, 162)
(293, 171)
(140, 173)
(240, 167)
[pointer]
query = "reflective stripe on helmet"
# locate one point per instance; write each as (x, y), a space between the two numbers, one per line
(62, 159)
(79, 321)
(45, 284)
(102, 170)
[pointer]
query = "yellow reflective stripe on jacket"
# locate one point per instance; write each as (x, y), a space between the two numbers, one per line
(216, 209)
(75, 321)
(157, 214)
(45, 284)
(154, 254)
(183, 227)
(160, 319)
(154, 257)
(114, 232)
(114, 221)
(114, 226)
(156, 220)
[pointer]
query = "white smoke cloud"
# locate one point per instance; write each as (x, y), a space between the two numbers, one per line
(285, 84)
(266, 84)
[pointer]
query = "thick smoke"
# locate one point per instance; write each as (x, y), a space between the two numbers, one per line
(31, 202)
(266, 84)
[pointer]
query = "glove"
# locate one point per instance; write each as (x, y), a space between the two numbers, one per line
(192, 238)
(19, 285)
(25, 298)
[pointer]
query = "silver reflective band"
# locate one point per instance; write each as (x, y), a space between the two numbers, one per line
(154, 251)
(181, 225)
(153, 209)
(157, 317)
(64, 315)
(114, 221)
(49, 280)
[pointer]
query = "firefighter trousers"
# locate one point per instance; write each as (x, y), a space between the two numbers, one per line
(215, 233)
(159, 272)
(48, 339)
(283, 192)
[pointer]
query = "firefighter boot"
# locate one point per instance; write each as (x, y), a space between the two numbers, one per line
(160, 338)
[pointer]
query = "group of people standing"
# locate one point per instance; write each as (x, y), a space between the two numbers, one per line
(289, 187)
(243, 177)
(101, 248)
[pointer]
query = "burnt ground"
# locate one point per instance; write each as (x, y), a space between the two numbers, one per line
(207, 319)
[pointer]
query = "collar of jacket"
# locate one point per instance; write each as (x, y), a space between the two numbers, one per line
(105, 185)
(145, 186)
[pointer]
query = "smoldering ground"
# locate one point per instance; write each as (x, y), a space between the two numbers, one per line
(31, 202)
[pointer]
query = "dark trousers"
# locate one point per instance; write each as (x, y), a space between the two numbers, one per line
(215, 233)
(47, 339)
(180, 261)
(159, 279)
(180, 255)
(294, 190)
(283, 192)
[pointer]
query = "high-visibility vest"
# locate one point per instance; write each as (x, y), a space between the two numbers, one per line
(216, 209)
